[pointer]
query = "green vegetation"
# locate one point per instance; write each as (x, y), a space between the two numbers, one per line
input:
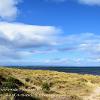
(45, 85)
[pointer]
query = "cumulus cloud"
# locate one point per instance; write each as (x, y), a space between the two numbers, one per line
(16, 37)
(90, 2)
(20, 41)
(27, 35)
(8, 9)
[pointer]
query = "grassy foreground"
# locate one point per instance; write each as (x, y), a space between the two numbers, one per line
(22, 84)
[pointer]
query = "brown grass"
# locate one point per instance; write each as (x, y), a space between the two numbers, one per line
(68, 85)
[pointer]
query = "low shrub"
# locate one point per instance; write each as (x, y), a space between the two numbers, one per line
(46, 87)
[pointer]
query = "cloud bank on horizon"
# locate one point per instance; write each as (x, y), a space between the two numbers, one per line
(31, 44)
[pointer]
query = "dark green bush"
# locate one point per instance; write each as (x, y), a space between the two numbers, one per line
(46, 87)
(10, 83)
(14, 80)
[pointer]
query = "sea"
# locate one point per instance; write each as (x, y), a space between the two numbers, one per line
(80, 70)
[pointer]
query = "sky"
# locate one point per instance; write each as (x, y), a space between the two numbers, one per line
(50, 32)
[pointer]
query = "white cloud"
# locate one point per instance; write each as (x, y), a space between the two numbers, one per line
(55, 61)
(17, 37)
(20, 41)
(89, 44)
(90, 2)
(89, 47)
(80, 49)
(85, 44)
(28, 35)
(8, 53)
(8, 9)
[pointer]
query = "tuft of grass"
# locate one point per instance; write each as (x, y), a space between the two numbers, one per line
(46, 87)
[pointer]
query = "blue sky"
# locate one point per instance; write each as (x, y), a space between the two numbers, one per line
(50, 32)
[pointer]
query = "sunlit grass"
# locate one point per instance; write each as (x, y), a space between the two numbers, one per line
(47, 84)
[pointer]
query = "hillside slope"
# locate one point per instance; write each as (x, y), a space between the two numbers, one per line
(22, 84)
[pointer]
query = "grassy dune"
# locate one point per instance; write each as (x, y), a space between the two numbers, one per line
(45, 85)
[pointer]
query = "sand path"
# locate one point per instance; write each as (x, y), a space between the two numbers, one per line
(95, 95)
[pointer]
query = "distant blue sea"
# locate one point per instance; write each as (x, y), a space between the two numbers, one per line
(80, 70)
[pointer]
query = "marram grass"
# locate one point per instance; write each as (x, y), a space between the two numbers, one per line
(45, 84)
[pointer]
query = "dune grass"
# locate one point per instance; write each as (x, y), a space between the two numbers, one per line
(46, 85)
